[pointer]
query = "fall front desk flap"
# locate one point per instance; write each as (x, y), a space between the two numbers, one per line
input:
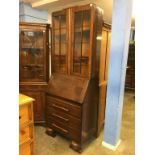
(69, 87)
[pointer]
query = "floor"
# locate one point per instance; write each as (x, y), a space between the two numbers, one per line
(46, 145)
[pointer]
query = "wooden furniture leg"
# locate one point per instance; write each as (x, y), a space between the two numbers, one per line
(76, 146)
(50, 132)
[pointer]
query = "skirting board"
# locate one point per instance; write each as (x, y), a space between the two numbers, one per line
(111, 147)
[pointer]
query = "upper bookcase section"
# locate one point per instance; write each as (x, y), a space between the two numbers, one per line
(75, 47)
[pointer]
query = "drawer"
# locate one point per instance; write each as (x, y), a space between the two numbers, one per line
(65, 119)
(24, 114)
(70, 133)
(64, 106)
(26, 149)
(25, 133)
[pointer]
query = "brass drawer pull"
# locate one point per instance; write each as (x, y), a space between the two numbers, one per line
(64, 109)
(63, 130)
(65, 119)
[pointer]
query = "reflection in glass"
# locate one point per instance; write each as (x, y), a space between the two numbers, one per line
(31, 53)
(56, 36)
(78, 19)
(63, 35)
(60, 45)
(86, 18)
(77, 58)
(86, 36)
(56, 22)
(81, 42)
(63, 21)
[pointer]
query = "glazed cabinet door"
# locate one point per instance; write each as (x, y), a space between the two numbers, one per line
(81, 25)
(32, 55)
(60, 41)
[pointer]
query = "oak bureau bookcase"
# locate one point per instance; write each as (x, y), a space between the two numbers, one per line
(72, 98)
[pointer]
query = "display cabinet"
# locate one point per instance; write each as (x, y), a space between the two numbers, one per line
(73, 90)
(34, 64)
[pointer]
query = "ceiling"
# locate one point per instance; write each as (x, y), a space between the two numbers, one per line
(55, 5)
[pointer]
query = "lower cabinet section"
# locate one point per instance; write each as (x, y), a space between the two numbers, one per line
(39, 105)
(38, 93)
(65, 117)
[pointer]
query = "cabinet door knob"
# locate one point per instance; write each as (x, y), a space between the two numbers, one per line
(20, 117)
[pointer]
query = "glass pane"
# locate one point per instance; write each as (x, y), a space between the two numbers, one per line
(32, 62)
(85, 49)
(84, 60)
(63, 63)
(56, 49)
(63, 57)
(56, 22)
(77, 37)
(56, 56)
(86, 18)
(63, 49)
(77, 58)
(63, 21)
(78, 19)
(85, 36)
(56, 36)
(81, 42)
(63, 35)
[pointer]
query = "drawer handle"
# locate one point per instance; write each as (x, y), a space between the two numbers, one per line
(63, 130)
(65, 119)
(20, 117)
(64, 109)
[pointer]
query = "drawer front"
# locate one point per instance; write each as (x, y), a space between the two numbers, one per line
(65, 119)
(24, 114)
(26, 149)
(25, 134)
(64, 106)
(68, 132)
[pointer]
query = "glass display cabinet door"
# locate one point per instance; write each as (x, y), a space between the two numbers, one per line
(81, 43)
(32, 56)
(60, 43)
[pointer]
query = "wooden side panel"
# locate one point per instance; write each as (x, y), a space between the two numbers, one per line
(101, 107)
(103, 76)
(103, 56)
(108, 54)
(89, 114)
